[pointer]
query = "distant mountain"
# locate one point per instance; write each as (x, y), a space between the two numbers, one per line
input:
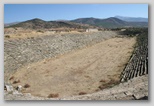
(41, 24)
(132, 19)
(111, 22)
(80, 23)
(9, 24)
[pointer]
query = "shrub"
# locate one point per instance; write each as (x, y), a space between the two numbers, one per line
(16, 81)
(101, 87)
(111, 83)
(40, 31)
(97, 90)
(26, 86)
(11, 78)
(82, 93)
(102, 80)
(53, 95)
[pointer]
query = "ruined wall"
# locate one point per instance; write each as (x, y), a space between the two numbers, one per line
(18, 53)
(138, 63)
(91, 30)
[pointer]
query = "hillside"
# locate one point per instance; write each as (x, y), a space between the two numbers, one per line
(111, 22)
(80, 23)
(41, 24)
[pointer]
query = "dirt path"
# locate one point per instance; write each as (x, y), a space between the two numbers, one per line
(78, 71)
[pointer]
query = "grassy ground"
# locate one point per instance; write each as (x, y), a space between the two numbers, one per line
(79, 72)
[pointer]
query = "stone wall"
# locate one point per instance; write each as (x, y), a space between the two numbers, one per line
(138, 63)
(18, 53)
(91, 30)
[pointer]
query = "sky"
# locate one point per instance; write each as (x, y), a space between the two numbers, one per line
(49, 12)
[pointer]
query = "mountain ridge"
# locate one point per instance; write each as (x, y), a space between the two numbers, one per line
(111, 22)
(132, 19)
(90, 22)
(37, 23)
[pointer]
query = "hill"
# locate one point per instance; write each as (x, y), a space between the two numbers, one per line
(41, 24)
(111, 22)
(80, 23)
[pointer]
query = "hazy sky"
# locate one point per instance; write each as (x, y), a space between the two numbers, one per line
(23, 12)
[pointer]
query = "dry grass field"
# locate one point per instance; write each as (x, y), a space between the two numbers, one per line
(19, 33)
(78, 72)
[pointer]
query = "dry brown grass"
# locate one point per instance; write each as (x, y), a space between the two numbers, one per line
(11, 78)
(89, 65)
(26, 86)
(53, 95)
(102, 80)
(101, 87)
(111, 83)
(16, 81)
(82, 93)
(97, 90)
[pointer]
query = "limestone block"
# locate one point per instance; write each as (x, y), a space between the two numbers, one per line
(19, 88)
(9, 88)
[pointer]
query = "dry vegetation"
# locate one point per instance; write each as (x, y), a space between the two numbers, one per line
(20, 33)
(26, 86)
(53, 95)
(16, 81)
(58, 59)
(82, 93)
(79, 72)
